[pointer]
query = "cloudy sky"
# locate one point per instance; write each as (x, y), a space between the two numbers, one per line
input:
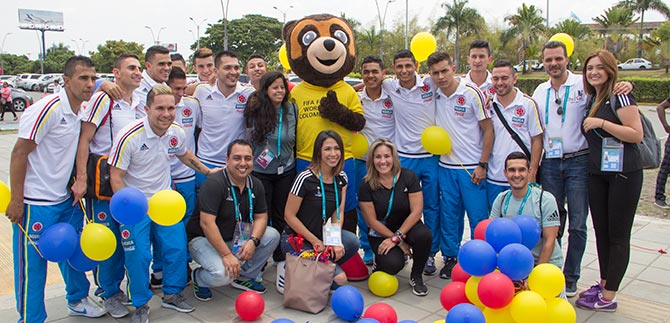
(89, 23)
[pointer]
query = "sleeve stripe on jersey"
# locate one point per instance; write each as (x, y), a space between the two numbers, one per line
(123, 141)
(480, 99)
(624, 100)
(537, 111)
(44, 116)
(297, 184)
(96, 107)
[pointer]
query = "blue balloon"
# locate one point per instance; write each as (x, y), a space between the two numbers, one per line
(530, 230)
(128, 206)
(501, 232)
(347, 303)
(79, 261)
(465, 313)
(515, 261)
(282, 320)
(408, 321)
(367, 320)
(58, 242)
(477, 257)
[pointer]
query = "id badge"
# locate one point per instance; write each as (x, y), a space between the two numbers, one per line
(265, 158)
(241, 235)
(375, 234)
(280, 170)
(555, 148)
(332, 235)
(612, 155)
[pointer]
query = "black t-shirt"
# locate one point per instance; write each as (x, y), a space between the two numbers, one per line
(307, 186)
(631, 154)
(406, 183)
(215, 198)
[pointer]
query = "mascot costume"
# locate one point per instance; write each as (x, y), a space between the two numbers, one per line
(321, 51)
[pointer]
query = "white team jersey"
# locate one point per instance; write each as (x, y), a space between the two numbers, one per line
(379, 117)
(142, 91)
(54, 127)
(145, 156)
(574, 102)
(414, 111)
(486, 87)
(460, 114)
(97, 111)
(222, 120)
(522, 116)
(188, 117)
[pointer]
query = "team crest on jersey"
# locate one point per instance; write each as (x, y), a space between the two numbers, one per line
(186, 112)
(125, 234)
(241, 103)
(461, 100)
(387, 109)
(241, 99)
(519, 111)
(37, 226)
(425, 88)
(388, 104)
(492, 90)
(173, 142)
(102, 216)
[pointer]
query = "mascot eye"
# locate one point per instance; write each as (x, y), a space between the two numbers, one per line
(308, 38)
(342, 36)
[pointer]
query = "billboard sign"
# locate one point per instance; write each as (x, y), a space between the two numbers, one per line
(41, 20)
(172, 47)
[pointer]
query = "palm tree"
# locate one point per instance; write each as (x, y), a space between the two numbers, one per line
(615, 21)
(458, 21)
(526, 26)
(640, 6)
(571, 27)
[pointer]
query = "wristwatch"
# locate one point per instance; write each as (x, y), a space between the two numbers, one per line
(395, 239)
(484, 165)
(256, 241)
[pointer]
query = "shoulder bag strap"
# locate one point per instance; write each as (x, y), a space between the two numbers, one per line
(511, 132)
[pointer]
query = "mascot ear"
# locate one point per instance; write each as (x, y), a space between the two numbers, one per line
(288, 28)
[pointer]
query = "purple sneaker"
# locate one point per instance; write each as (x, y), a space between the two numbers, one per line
(597, 303)
(592, 291)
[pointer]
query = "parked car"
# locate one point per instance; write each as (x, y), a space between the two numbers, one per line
(635, 64)
(107, 76)
(531, 65)
(353, 81)
(24, 81)
(21, 100)
(43, 81)
(10, 79)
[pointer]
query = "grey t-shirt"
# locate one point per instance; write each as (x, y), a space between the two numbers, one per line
(265, 155)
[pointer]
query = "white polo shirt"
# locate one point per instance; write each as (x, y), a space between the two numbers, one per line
(145, 86)
(54, 127)
(575, 104)
(486, 87)
(522, 116)
(222, 120)
(97, 112)
(188, 117)
(460, 114)
(379, 117)
(414, 111)
(145, 156)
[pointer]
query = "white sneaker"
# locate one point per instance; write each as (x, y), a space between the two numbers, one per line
(87, 308)
(281, 270)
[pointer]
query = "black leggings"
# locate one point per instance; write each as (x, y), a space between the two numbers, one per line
(277, 188)
(613, 201)
(10, 106)
(419, 238)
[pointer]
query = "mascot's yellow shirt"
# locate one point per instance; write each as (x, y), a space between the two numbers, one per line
(307, 98)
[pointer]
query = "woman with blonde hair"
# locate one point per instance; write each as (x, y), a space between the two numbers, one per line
(391, 201)
(612, 129)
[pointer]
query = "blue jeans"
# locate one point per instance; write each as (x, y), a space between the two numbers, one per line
(359, 164)
(214, 274)
(568, 179)
(426, 170)
(349, 240)
(662, 177)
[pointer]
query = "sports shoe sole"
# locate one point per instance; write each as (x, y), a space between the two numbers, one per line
(596, 309)
(176, 308)
(245, 288)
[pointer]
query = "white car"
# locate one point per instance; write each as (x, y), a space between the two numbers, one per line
(635, 64)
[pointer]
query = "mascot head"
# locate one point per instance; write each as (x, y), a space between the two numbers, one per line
(320, 48)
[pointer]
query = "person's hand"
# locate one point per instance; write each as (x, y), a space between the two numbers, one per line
(111, 89)
(15, 211)
(247, 250)
(214, 170)
(318, 246)
(593, 123)
(532, 175)
(405, 249)
(478, 175)
(338, 252)
(78, 191)
(385, 246)
(232, 265)
(623, 87)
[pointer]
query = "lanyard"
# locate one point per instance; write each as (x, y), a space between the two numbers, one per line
(521, 206)
(238, 216)
(388, 210)
(279, 127)
(565, 105)
(323, 198)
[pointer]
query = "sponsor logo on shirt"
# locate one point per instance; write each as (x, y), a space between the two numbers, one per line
(209, 97)
(459, 110)
(241, 103)
(173, 142)
(116, 107)
(102, 216)
(318, 192)
(144, 147)
(63, 121)
(387, 109)
(426, 93)
(37, 226)
(578, 97)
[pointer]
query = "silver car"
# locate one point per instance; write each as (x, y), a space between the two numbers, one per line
(21, 100)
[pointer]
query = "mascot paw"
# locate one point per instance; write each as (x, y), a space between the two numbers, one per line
(330, 107)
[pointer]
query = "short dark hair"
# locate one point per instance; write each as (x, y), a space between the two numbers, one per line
(555, 44)
(480, 44)
(242, 142)
(74, 61)
(177, 57)
(176, 74)
(203, 52)
(225, 53)
(504, 63)
(252, 56)
(373, 59)
(155, 50)
(403, 53)
(437, 57)
(517, 155)
(122, 57)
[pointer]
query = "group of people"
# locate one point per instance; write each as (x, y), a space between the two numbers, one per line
(230, 150)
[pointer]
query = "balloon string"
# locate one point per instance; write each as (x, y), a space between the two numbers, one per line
(83, 209)
(459, 162)
(30, 240)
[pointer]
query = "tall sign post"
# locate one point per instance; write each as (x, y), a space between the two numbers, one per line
(42, 21)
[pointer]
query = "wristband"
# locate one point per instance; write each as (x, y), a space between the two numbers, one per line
(401, 236)
(256, 241)
(484, 165)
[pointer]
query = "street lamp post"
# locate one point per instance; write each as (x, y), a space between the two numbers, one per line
(76, 44)
(283, 11)
(382, 20)
(225, 23)
(2, 52)
(156, 39)
(406, 24)
(197, 31)
(80, 49)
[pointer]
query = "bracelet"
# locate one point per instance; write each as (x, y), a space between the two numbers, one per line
(603, 125)
(256, 241)
(401, 236)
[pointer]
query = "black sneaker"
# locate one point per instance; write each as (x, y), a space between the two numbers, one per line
(661, 204)
(570, 289)
(445, 272)
(418, 287)
(429, 269)
(155, 282)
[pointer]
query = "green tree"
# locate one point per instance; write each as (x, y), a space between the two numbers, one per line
(641, 6)
(110, 50)
(56, 56)
(526, 27)
(16, 64)
(660, 40)
(458, 21)
(614, 23)
(571, 27)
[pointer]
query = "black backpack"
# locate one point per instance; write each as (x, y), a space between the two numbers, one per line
(650, 147)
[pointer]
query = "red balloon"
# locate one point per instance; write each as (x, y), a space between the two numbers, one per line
(459, 275)
(382, 312)
(480, 229)
(249, 306)
(453, 294)
(495, 290)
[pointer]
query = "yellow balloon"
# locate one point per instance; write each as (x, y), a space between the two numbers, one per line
(97, 242)
(436, 140)
(382, 284)
(283, 57)
(546, 280)
(5, 196)
(528, 307)
(560, 311)
(359, 145)
(167, 207)
(423, 44)
(439, 321)
(501, 315)
(471, 291)
(566, 40)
